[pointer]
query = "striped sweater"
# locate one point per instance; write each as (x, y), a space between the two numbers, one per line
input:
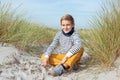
(64, 45)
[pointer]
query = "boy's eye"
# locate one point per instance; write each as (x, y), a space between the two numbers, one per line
(63, 25)
(66, 25)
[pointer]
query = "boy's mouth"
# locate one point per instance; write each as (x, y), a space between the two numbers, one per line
(66, 31)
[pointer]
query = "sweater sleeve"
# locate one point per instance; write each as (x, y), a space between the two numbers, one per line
(77, 44)
(52, 45)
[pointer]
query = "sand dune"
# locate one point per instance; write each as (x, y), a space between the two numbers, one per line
(18, 65)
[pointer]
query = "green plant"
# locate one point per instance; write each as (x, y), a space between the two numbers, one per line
(18, 30)
(104, 39)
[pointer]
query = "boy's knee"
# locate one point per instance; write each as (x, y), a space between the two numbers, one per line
(82, 50)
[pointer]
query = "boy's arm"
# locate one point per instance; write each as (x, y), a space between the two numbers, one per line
(76, 47)
(52, 45)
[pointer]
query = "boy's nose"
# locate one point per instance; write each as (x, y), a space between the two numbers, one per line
(66, 27)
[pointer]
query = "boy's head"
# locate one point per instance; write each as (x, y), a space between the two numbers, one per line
(67, 23)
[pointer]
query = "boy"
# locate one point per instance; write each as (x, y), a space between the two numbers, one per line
(66, 48)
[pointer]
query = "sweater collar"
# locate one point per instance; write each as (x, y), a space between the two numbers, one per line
(69, 33)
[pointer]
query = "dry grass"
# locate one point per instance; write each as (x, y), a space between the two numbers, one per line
(103, 40)
(17, 30)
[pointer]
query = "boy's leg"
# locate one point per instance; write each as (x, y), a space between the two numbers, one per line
(54, 59)
(60, 69)
(73, 59)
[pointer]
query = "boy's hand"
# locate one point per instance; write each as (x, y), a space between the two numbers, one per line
(64, 60)
(45, 62)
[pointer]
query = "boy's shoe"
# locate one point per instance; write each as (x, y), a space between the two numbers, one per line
(57, 71)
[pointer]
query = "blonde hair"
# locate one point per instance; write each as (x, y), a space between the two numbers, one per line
(67, 17)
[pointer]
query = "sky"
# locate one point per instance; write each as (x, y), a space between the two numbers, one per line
(49, 12)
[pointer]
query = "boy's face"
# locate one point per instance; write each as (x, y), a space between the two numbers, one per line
(66, 26)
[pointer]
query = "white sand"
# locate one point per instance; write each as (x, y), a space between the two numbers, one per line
(6, 51)
(17, 65)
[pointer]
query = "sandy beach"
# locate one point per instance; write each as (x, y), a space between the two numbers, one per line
(19, 65)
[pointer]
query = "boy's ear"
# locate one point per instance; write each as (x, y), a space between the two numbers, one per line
(73, 25)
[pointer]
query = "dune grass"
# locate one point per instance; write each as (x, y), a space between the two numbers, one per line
(103, 40)
(17, 30)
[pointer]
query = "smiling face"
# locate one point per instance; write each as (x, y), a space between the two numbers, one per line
(66, 26)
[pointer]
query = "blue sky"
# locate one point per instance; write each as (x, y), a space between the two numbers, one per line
(49, 12)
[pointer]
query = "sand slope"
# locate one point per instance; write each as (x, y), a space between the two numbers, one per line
(18, 65)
